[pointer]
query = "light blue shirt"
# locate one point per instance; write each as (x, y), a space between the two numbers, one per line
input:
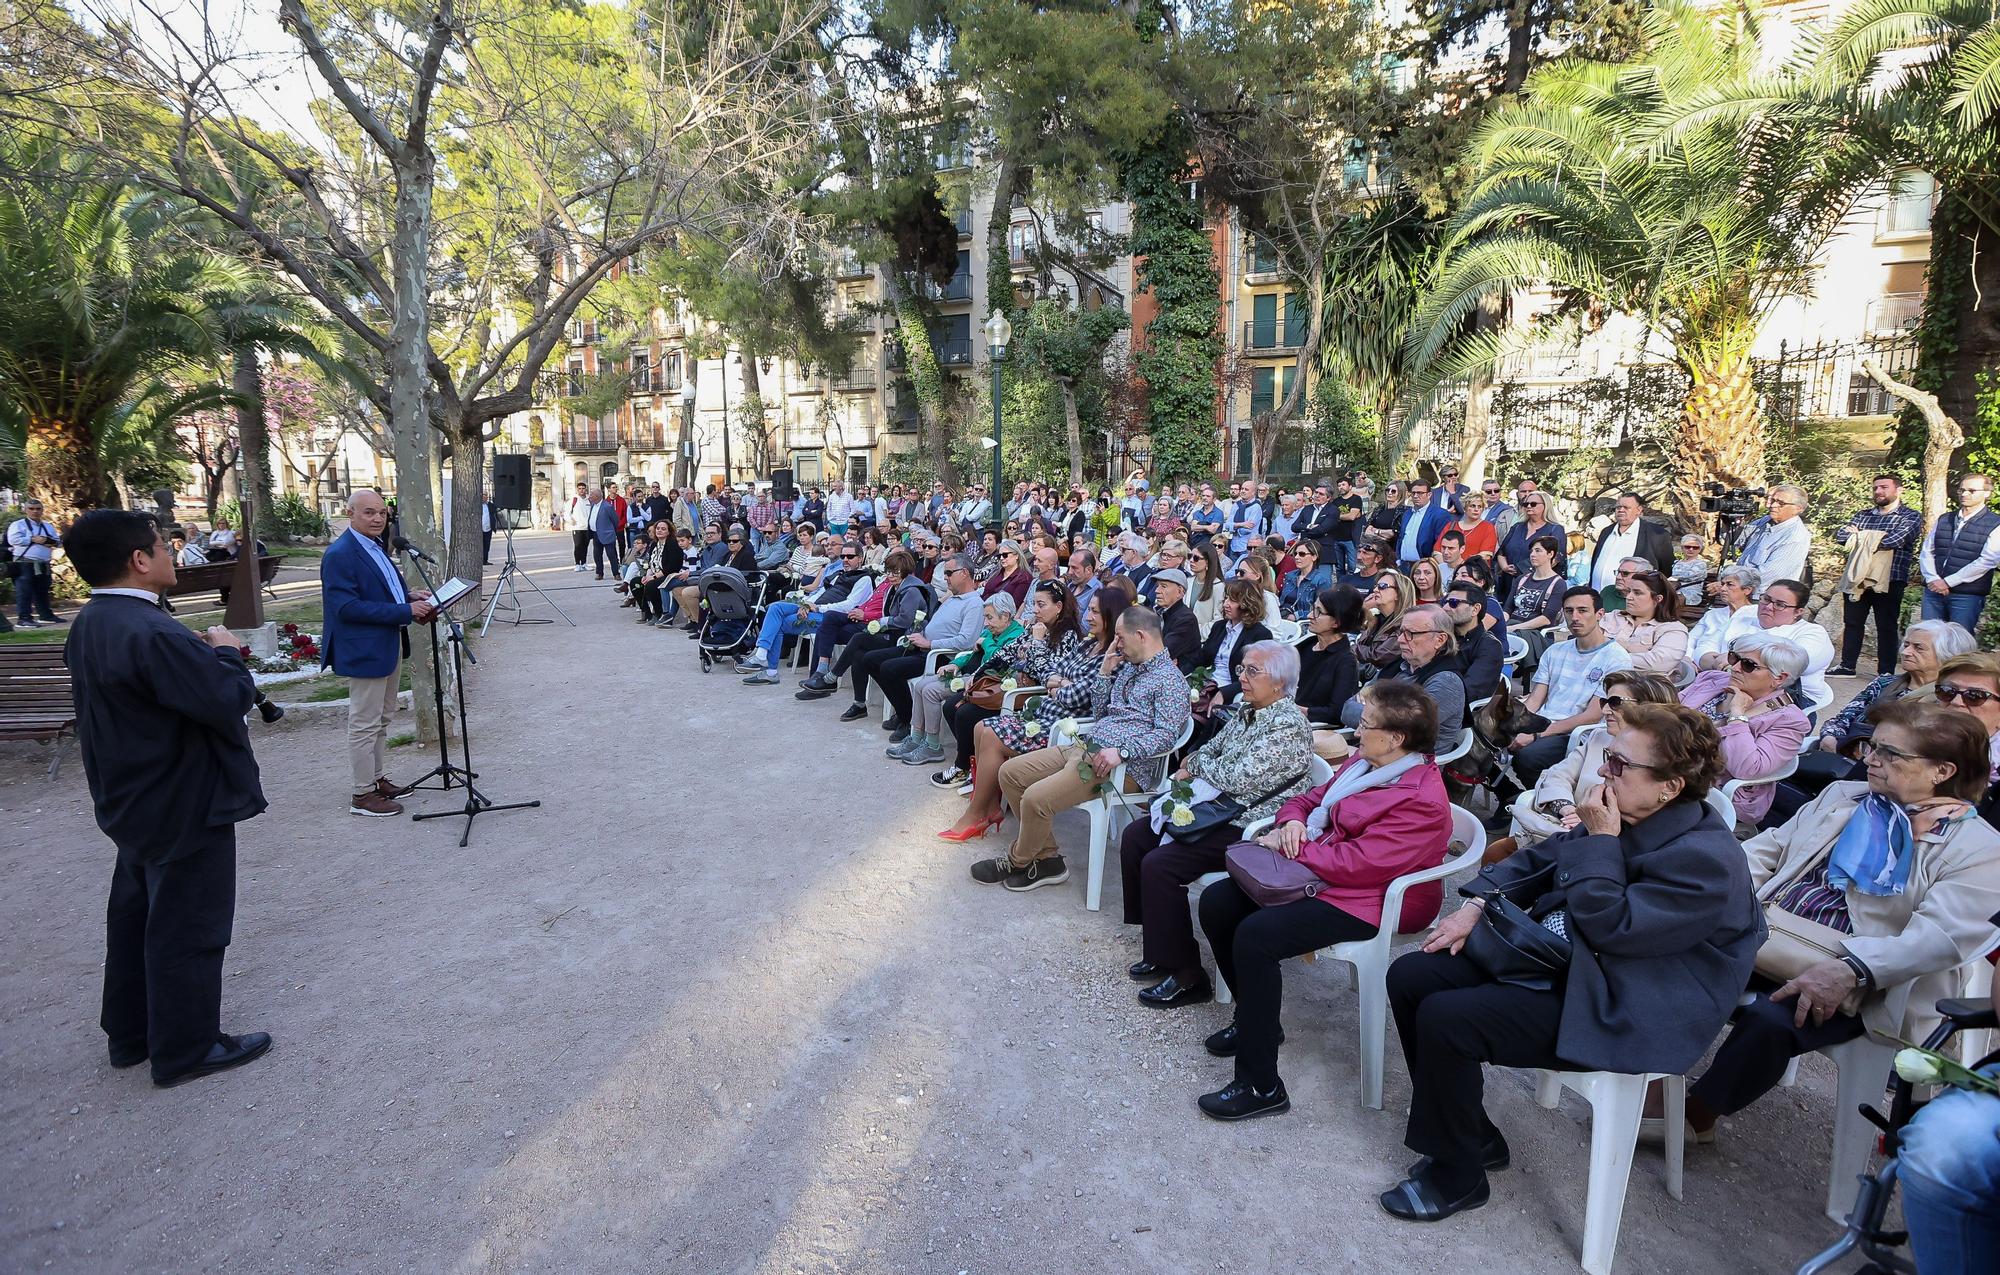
(382, 564)
(1413, 530)
(1778, 549)
(957, 623)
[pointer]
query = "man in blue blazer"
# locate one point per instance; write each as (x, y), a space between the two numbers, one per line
(1424, 520)
(366, 606)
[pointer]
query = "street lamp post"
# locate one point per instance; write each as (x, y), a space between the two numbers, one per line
(728, 468)
(684, 464)
(998, 330)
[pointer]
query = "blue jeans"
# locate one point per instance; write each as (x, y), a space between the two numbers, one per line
(1340, 553)
(782, 618)
(1950, 1167)
(1961, 609)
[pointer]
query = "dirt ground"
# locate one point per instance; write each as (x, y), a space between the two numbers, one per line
(724, 1004)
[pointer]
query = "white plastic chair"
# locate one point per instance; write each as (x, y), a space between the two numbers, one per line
(1517, 650)
(933, 661)
(1103, 810)
(1283, 630)
(1616, 1102)
(1370, 957)
(1784, 770)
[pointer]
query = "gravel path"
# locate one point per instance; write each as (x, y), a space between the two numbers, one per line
(723, 1004)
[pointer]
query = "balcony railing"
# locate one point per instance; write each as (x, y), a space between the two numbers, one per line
(860, 380)
(647, 436)
(958, 289)
(956, 352)
(964, 224)
(590, 438)
(1273, 336)
(550, 386)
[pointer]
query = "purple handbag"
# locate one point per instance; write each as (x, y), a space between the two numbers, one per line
(1268, 877)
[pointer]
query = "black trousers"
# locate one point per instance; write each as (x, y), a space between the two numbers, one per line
(1537, 757)
(893, 671)
(1249, 942)
(1158, 873)
(165, 931)
(964, 717)
(1453, 1018)
(1761, 1043)
(1887, 608)
(582, 541)
(602, 549)
(31, 591)
(832, 631)
(853, 659)
(650, 604)
(485, 547)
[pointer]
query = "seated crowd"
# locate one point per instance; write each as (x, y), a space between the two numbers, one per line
(1267, 685)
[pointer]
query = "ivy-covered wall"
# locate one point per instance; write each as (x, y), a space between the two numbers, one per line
(1183, 346)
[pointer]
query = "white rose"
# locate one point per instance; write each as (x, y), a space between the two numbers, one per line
(1193, 694)
(1067, 725)
(874, 626)
(921, 615)
(958, 683)
(1182, 816)
(1918, 1067)
(1032, 729)
(1009, 684)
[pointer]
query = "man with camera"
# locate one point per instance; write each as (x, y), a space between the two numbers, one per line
(159, 715)
(33, 543)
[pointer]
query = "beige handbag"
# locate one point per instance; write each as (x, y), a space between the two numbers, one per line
(1795, 945)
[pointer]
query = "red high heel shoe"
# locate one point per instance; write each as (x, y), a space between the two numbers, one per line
(973, 833)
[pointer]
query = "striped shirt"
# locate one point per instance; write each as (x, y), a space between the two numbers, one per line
(1810, 898)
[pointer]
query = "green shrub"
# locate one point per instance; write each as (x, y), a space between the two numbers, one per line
(294, 519)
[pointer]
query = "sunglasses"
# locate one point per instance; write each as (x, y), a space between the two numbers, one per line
(1970, 696)
(1747, 664)
(1616, 764)
(1616, 702)
(845, 557)
(1458, 602)
(1531, 504)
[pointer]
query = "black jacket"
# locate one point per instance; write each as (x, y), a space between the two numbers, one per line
(159, 714)
(1327, 680)
(1664, 930)
(1252, 634)
(1655, 545)
(1481, 654)
(1183, 635)
(1320, 523)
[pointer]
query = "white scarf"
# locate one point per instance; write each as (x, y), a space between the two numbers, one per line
(1359, 777)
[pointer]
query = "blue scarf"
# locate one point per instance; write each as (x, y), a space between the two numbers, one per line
(1875, 849)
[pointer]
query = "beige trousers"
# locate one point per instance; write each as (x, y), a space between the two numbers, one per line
(689, 597)
(370, 701)
(1037, 785)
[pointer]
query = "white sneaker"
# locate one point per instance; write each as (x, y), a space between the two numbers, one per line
(581, 567)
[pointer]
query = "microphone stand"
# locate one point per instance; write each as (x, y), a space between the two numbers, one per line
(449, 774)
(476, 802)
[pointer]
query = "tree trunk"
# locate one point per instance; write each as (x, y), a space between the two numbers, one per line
(684, 444)
(468, 483)
(926, 378)
(999, 260)
(62, 470)
(1072, 431)
(1975, 320)
(409, 406)
(1721, 431)
(755, 436)
(253, 433)
(1942, 437)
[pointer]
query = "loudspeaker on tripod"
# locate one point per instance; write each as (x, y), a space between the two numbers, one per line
(510, 482)
(781, 485)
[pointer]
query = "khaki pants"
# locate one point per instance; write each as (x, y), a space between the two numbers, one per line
(689, 597)
(370, 701)
(1037, 785)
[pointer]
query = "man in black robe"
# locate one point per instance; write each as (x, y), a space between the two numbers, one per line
(159, 714)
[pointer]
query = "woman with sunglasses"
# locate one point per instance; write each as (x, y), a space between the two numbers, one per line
(1971, 684)
(1516, 558)
(1206, 579)
(1304, 582)
(1752, 708)
(1376, 645)
(1653, 894)
(1258, 568)
(1649, 627)
(1903, 873)
(1387, 518)
(1013, 576)
(1551, 807)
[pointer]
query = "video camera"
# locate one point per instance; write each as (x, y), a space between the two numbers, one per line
(1732, 507)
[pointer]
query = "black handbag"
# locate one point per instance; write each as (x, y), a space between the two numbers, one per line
(1218, 812)
(1516, 949)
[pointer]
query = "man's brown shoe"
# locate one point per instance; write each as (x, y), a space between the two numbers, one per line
(387, 787)
(375, 806)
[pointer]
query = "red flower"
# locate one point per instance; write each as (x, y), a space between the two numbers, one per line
(245, 651)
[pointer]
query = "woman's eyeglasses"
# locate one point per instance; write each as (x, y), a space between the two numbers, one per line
(1970, 696)
(1616, 764)
(1871, 749)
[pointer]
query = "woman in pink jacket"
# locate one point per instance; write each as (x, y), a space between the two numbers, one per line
(1750, 703)
(1383, 815)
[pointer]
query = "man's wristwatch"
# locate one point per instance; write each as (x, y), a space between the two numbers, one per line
(1862, 974)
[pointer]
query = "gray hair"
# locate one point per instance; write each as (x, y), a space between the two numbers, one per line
(1791, 492)
(1949, 640)
(958, 561)
(1640, 565)
(1781, 655)
(1281, 663)
(1748, 577)
(1003, 602)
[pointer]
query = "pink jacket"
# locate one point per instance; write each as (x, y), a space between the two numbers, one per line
(1754, 747)
(1375, 836)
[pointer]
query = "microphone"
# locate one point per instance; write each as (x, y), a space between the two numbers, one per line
(403, 544)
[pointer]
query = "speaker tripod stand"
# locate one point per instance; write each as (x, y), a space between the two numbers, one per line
(506, 592)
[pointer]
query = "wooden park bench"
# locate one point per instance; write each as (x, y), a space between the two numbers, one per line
(35, 700)
(216, 577)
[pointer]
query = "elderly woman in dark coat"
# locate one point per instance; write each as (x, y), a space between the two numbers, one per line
(1653, 894)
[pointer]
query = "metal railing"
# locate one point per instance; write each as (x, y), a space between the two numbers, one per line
(857, 380)
(589, 438)
(956, 352)
(1261, 336)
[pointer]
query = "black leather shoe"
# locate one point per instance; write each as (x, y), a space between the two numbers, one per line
(1172, 993)
(1238, 1100)
(128, 1055)
(895, 724)
(1493, 1157)
(227, 1052)
(1225, 1043)
(854, 712)
(1418, 1199)
(1144, 971)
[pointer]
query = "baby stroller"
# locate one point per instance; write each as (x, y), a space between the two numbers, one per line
(732, 606)
(1867, 1225)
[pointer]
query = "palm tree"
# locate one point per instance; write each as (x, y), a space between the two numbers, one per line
(1609, 183)
(101, 298)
